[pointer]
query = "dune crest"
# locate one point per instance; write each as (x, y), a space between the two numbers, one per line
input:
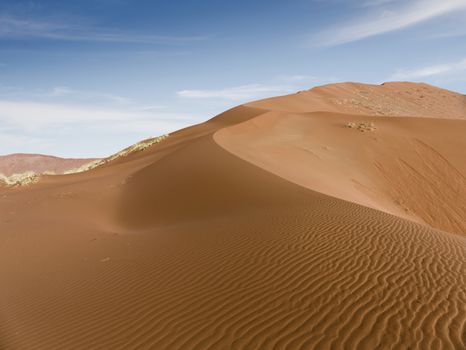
(300, 222)
(402, 99)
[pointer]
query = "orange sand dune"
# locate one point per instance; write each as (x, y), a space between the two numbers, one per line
(404, 166)
(271, 226)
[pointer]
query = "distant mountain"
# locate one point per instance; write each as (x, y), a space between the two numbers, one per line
(38, 163)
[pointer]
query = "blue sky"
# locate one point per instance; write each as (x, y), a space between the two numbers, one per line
(89, 77)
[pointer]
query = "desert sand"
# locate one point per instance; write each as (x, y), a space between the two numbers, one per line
(329, 219)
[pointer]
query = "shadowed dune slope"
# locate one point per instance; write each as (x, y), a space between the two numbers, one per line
(196, 243)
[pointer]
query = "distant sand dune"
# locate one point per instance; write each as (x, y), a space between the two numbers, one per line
(37, 163)
(266, 227)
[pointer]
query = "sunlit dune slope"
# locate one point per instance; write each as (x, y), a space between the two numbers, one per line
(267, 227)
(353, 141)
(403, 166)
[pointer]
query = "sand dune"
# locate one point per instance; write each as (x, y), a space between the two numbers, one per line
(404, 166)
(276, 225)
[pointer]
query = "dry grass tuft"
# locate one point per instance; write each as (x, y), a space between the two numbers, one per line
(30, 177)
(138, 147)
(361, 126)
(23, 179)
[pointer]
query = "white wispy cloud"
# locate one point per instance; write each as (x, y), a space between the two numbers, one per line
(72, 130)
(12, 27)
(372, 3)
(388, 16)
(35, 116)
(430, 71)
(66, 92)
(12, 142)
(237, 93)
(280, 85)
(298, 78)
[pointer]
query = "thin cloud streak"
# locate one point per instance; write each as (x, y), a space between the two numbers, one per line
(373, 3)
(430, 71)
(17, 28)
(280, 85)
(250, 91)
(389, 18)
(34, 116)
(66, 92)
